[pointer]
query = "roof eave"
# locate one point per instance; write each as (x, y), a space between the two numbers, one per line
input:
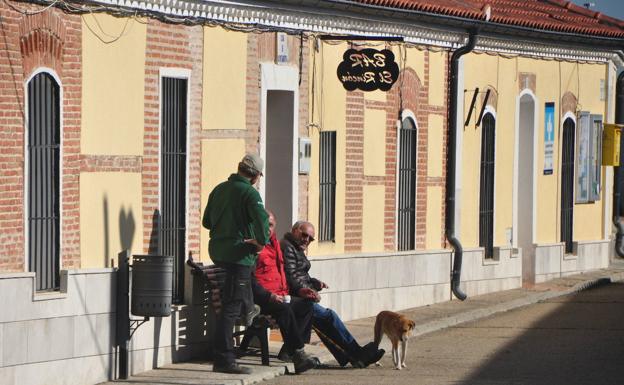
(454, 23)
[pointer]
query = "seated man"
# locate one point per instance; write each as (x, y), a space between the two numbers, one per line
(271, 293)
(326, 321)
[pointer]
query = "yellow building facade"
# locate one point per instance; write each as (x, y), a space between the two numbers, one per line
(479, 163)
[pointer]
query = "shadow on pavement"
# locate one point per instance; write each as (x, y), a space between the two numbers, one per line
(581, 341)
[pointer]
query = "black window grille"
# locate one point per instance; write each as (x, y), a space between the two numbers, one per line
(173, 178)
(486, 198)
(43, 193)
(567, 183)
(406, 236)
(327, 186)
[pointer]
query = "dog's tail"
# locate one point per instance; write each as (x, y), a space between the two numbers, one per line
(378, 333)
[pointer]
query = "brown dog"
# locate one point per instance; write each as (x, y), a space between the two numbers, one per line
(397, 328)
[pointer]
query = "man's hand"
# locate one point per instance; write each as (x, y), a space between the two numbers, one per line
(255, 243)
(318, 284)
(306, 292)
(276, 298)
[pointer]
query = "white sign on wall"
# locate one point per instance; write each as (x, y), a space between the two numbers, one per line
(282, 48)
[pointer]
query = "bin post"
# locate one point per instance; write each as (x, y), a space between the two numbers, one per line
(123, 312)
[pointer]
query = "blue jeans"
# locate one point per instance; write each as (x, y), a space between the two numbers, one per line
(330, 324)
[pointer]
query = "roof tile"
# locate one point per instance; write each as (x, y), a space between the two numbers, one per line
(550, 15)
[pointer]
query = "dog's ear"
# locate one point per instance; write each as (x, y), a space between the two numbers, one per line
(412, 324)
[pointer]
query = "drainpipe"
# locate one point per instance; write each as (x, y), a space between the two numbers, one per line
(450, 162)
(617, 172)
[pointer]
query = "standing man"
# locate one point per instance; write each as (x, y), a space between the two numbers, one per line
(344, 347)
(239, 229)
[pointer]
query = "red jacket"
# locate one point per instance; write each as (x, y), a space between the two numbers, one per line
(270, 268)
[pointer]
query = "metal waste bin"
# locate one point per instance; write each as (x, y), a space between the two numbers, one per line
(152, 282)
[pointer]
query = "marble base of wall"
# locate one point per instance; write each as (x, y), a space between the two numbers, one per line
(551, 262)
(482, 275)
(68, 337)
(363, 285)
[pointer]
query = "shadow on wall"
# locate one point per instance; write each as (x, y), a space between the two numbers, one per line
(579, 342)
(127, 227)
(154, 242)
(106, 232)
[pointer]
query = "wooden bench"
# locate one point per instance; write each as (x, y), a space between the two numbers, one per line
(214, 278)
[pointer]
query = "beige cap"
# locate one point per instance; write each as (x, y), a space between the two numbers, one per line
(254, 162)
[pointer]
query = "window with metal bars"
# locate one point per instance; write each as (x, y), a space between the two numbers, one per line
(406, 232)
(567, 184)
(486, 197)
(327, 186)
(173, 177)
(43, 192)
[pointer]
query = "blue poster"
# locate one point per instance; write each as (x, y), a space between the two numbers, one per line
(549, 137)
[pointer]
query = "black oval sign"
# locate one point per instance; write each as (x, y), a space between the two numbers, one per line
(368, 69)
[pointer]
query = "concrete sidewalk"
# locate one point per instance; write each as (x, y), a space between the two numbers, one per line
(428, 319)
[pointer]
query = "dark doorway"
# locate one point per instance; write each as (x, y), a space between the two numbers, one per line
(279, 158)
(526, 171)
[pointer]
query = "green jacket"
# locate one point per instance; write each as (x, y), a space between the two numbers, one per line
(235, 212)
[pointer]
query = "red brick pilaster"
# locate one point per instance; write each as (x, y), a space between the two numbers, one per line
(354, 171)
(179, 47)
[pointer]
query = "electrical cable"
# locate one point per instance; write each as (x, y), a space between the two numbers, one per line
(114, 38)
(30, 13)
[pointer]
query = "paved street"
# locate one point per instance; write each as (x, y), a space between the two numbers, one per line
(574, 339)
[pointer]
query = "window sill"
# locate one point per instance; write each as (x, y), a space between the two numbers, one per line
(48, 295)
(490, 262)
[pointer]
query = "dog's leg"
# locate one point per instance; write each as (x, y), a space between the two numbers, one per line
(403, 350)
(395, 355)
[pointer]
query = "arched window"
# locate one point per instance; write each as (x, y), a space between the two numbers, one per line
(567, 183)
(407, 186)
(486, 197)
(43, 191)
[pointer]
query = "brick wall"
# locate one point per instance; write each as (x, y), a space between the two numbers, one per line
(49, 39)
(174, 47)
(409, 92)
(354, 171)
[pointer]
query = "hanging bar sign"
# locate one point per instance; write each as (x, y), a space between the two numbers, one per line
(368, 70)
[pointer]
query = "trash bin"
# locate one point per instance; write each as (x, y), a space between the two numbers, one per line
(152, 282)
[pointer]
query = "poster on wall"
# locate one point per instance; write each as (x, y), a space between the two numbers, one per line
(549, 137)
(582, 157)
(368, 70)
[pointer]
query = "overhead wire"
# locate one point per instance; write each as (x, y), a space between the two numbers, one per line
(28, 12)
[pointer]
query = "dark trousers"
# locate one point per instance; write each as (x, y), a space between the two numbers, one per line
(294, 320)
(236, 296)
